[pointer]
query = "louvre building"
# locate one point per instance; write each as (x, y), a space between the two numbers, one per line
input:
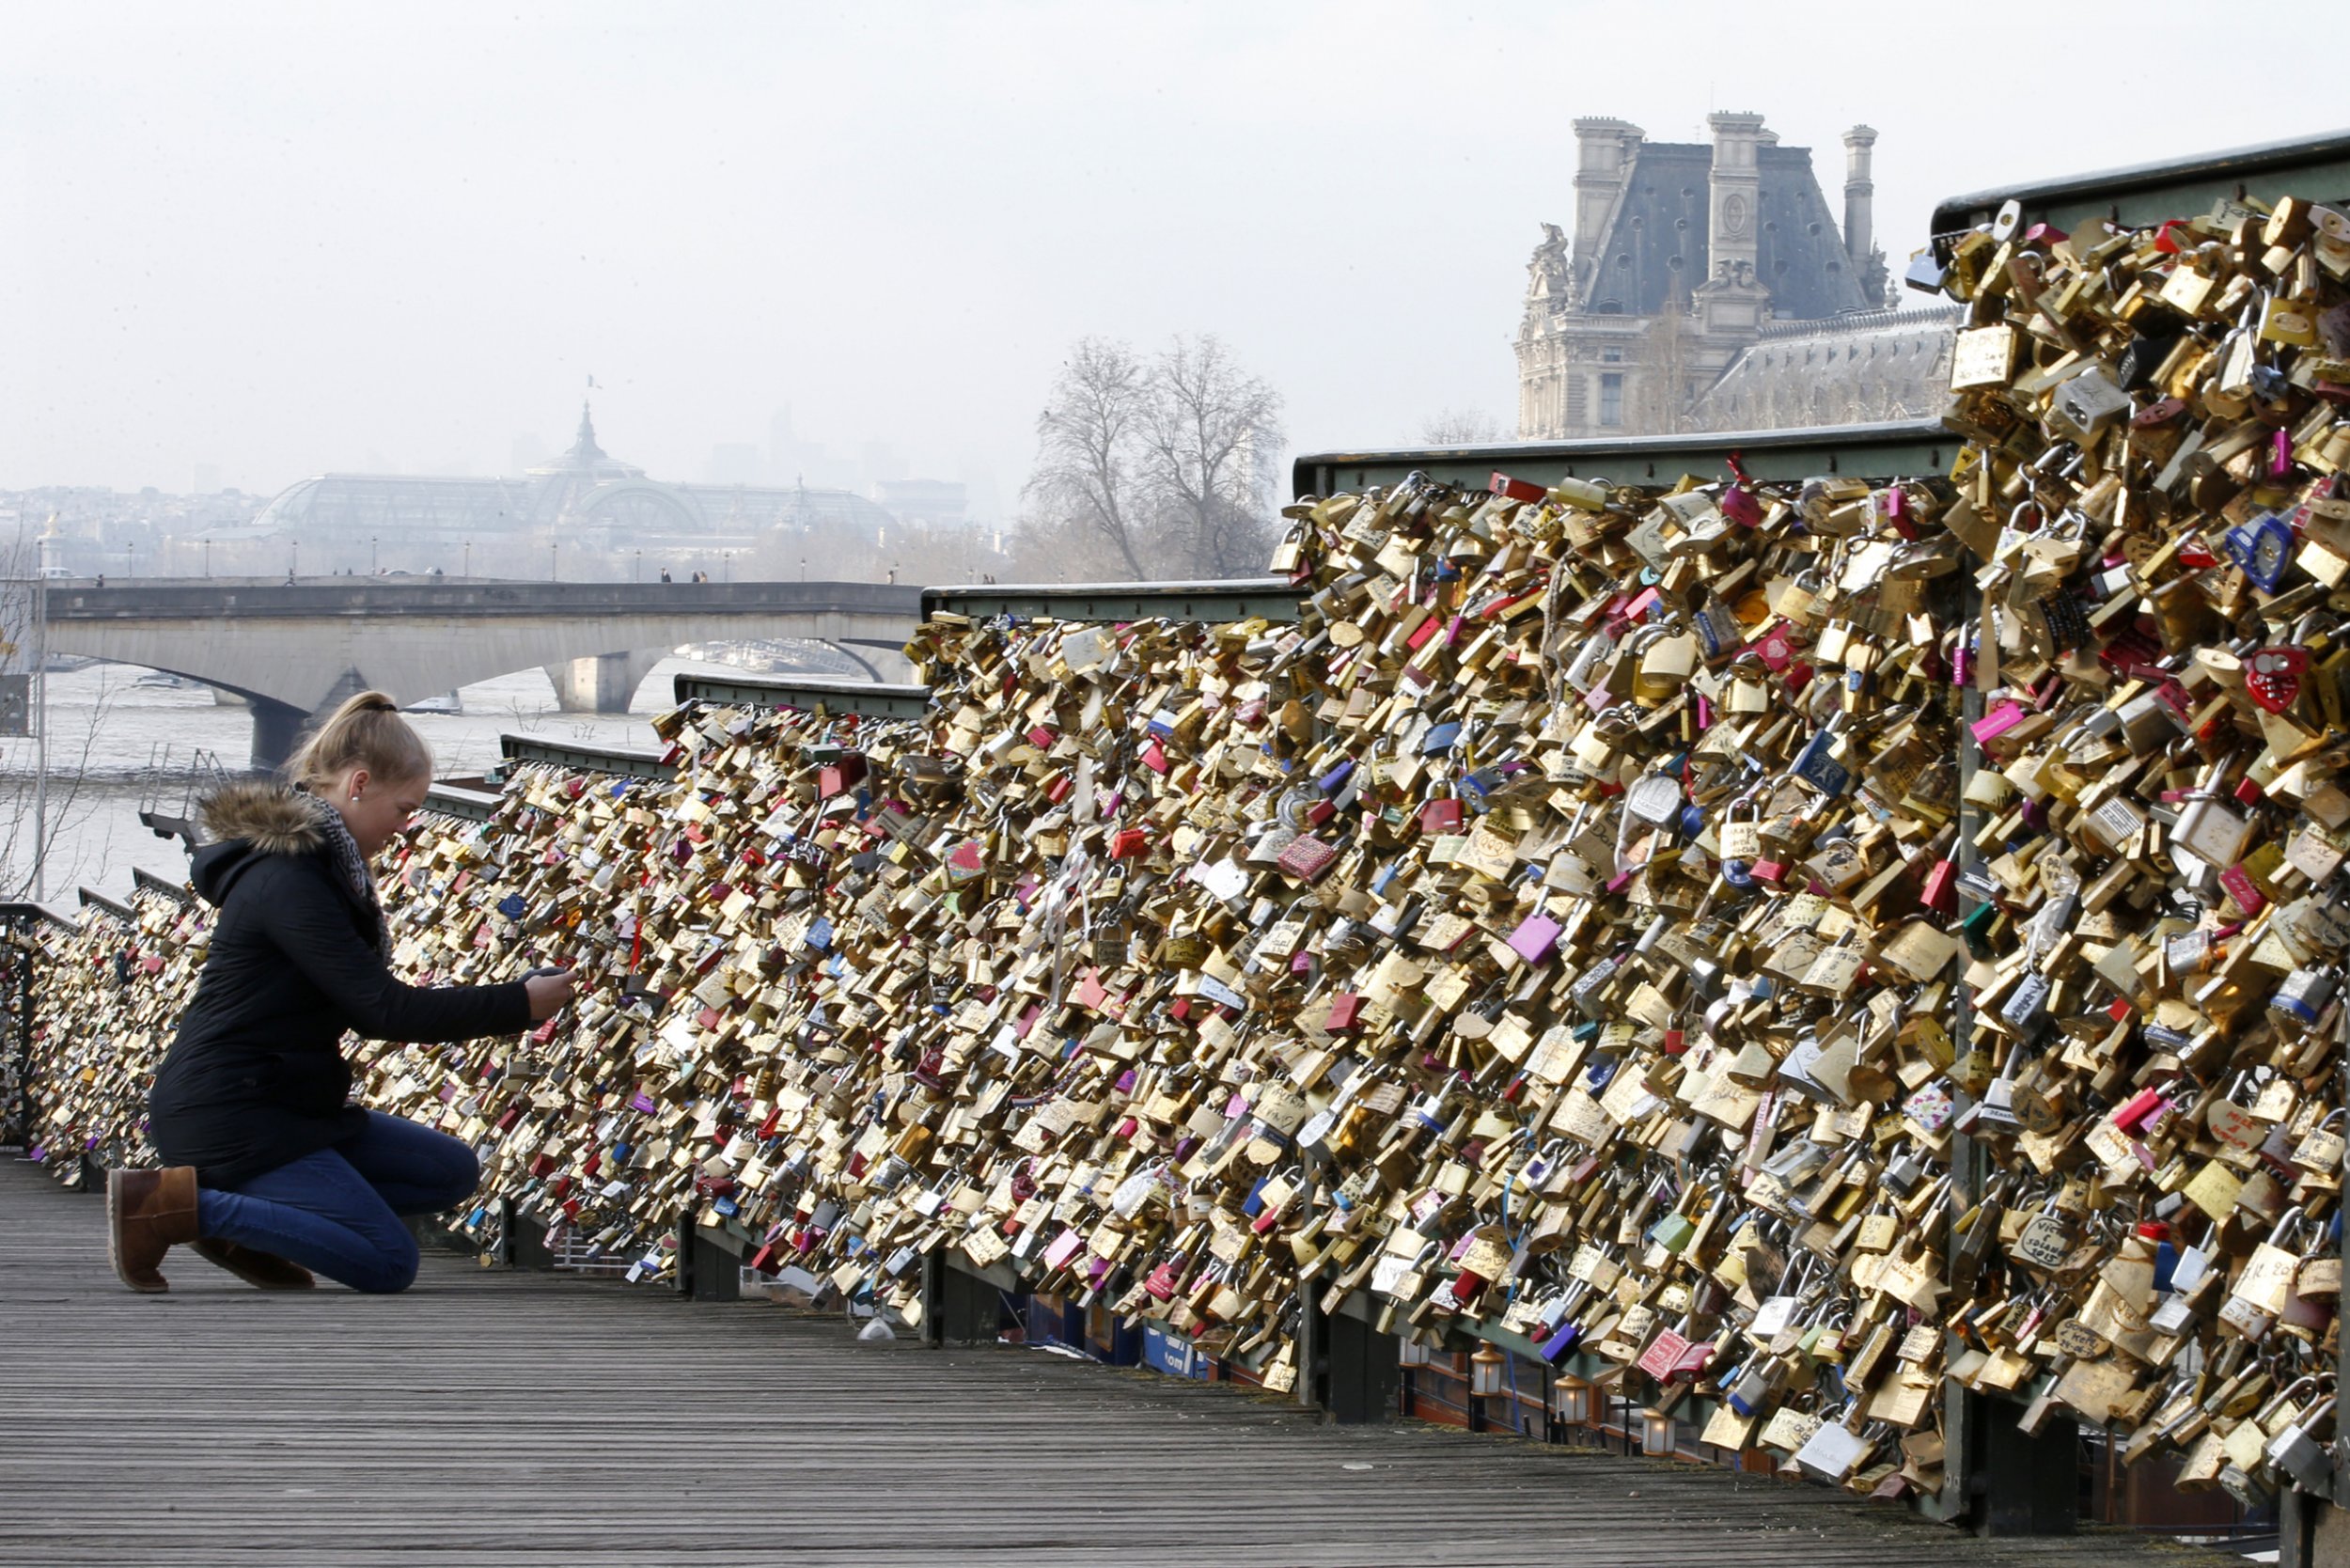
(1706, 286)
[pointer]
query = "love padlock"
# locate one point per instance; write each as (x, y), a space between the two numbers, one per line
(2273, 676)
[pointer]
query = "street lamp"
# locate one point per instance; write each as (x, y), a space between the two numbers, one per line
(554, 558)
(640, 568)
(726, 572)
(469, 557)
(208, 558)
(374, 562)
(802, 569)
(127, 548)
(1571, 1401)
(293, 560)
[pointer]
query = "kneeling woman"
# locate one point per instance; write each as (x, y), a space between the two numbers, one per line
(270, 1174)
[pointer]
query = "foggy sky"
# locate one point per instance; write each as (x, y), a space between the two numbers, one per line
(279, 240)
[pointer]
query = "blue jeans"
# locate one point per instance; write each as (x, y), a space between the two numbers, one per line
(339, 1211)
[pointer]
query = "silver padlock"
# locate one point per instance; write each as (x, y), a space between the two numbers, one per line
(2302, 995)
(2296, 1452)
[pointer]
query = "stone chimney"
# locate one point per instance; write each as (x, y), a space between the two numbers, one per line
(1604, 150)
(1736, 192)
(1859, 190)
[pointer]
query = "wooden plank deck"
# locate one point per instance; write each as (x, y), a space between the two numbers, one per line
(501, 1418)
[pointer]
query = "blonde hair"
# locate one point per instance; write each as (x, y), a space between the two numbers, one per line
(367, 732)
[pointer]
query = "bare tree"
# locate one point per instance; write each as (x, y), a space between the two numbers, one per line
(1462, 426)
(1209, 434)
(1085, 476)
(1157, 469)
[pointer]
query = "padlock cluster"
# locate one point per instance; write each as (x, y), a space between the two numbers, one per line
(1533, 936)
(1775, 947)
(107, 998)
(2155, 520)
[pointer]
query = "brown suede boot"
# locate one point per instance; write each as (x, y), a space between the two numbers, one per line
(263, 1271)
(147, 1213)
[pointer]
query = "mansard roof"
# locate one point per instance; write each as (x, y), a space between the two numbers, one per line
(1654, 244)
(1869, 366)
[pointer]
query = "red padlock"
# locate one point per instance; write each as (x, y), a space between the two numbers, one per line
(839, 777)
(2273, 676)
(2244, 890)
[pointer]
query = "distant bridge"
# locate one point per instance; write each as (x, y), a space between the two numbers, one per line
(294, 651)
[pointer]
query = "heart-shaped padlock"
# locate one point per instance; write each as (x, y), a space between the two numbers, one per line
(2273, 676)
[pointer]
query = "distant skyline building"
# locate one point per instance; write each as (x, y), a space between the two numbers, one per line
(1686, 257)
(584, 492)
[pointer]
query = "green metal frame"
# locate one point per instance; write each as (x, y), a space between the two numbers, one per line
(148, 881)
(455, 800)
(1238, 599)
(18, 911)
(628, 762)
(867, 697)
(2317, 167)
(115, 907)
(1907, 448)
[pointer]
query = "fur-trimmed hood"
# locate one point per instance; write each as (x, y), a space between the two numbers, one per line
(247, 823)
(270, 817)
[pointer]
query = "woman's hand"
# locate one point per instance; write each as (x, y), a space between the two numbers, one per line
(550, 992)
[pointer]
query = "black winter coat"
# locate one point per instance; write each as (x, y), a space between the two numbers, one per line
(257, 1078)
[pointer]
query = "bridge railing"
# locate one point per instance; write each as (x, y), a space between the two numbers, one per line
(633, 762)
(876, 699)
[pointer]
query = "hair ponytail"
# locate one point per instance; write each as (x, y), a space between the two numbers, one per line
(367, 732)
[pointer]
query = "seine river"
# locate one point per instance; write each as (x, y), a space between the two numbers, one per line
(134, 740)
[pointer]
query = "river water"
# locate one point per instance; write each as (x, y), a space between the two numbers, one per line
(119, 739)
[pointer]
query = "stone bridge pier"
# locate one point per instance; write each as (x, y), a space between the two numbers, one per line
(601, 682)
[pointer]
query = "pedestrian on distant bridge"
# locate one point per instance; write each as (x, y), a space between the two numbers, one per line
(270, 1174)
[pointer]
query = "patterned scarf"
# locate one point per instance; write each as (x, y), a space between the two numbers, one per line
(350, 863)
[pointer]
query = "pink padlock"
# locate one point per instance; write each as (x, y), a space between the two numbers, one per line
(1998, 722)
(2244, 890)
(1536, 935)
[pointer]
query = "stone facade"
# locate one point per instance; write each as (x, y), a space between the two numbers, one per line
(1683, 256)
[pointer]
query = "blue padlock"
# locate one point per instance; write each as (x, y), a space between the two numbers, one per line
(1716, 631)
(1816, 765)
(2264, 548)
(1441, 738)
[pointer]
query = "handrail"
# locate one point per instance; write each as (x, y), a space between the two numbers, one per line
(115, 907)
(24, 909)
(455, 800)
(628, 761)
(869, 698)
(1883, 451)
(145, 879)
(1235, 599)
(2315, 166)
